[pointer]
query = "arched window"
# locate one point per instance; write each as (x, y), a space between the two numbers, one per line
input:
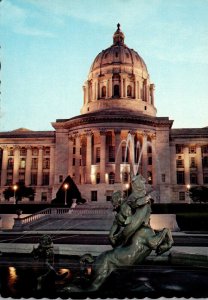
(129, 91)
(103, 92)
(116, 90)
(111, 178)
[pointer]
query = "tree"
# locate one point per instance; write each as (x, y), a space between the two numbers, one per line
(21, 192)
(199, 194)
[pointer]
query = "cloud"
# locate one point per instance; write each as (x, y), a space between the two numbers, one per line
(16, 19)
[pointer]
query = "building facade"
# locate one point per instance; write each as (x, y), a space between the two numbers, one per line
(116, 135)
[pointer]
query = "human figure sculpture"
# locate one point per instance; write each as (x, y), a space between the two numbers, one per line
(131, 235)
(44, 249)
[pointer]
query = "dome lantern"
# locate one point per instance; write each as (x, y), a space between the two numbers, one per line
(118, 37)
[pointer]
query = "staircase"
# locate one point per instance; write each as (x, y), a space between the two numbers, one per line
(83, 217)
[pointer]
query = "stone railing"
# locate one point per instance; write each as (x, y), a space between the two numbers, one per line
(61, 212)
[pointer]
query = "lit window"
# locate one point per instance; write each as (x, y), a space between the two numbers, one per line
(22, 163)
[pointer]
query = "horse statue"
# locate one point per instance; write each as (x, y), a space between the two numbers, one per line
(131, 237)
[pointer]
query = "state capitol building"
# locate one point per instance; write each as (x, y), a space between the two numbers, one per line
(118, 110)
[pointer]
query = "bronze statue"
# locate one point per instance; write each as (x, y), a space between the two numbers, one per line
(45, 249)
(131, 236)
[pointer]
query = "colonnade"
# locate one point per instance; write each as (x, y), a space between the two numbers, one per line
(140, 88)
(28, 168)
(76, 167)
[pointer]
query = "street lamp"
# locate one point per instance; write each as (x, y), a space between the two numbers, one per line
(188, 192)
(15, 187)
(66, 186)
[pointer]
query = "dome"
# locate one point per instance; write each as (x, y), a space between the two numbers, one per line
(118, 55)
(118, 78)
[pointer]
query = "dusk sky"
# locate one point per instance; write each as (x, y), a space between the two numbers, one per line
(48, 46)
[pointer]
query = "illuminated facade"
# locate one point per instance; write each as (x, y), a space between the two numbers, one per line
(118, 106)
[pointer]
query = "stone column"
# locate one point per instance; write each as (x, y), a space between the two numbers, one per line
(70, 171)
(199, 165)
(110, 92)
(28, 166)
(52, 162)
(16, 164)
(4, 166)
(152, 88)
(77, 159)
(40, 166)
(136, 89)
(132, 152)
(102, 155)
(89, 157)
(144, 156)
(125, 89)
(186, 165)
(118, 158)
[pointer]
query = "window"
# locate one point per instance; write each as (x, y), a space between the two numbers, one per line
(45, 178)
(182, 196)
(46, 163)
(10, 163)
(46, 151)
(60, 178)
(22, 177)
(180, 163)
(149, 149)
(180, 177)
(9, 178)
(23, 152)
(74, 150)
(192, 149)
(97, 154)
(129, 91)
(109, 195)
(116, 90)
(205, 178)
(44, 196)
(22, 163)
(103, 92)
(34, 178)
(179, 149)
(116, 54)
(192, 162)
(125, 177)
(93, 195)
(193, 178)
(97, 178)
(35, 151)
(204, 149)
(111, 178)
(73, 162)
(111, 154)
(11, 152)
(34, 163)
(163, 177)
(205, 162)
(150, 160)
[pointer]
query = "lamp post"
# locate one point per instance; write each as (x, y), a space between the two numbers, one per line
(15, 187)
(188, 192)
(66, 186)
